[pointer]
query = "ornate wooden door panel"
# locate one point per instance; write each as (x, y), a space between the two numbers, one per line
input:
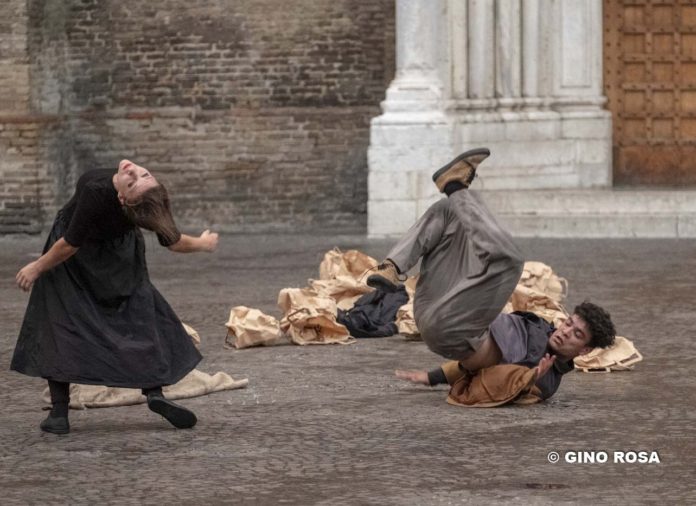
(650, 80)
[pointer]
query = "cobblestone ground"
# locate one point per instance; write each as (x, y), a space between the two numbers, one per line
(331, 425)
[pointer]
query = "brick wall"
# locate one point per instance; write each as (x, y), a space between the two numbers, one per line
(24, 136)
(14, 62)
(28, 190)
(255, 112)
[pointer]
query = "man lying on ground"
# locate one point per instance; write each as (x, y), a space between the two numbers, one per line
(469, 268)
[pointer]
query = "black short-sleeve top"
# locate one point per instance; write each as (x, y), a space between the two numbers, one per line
(94, 212)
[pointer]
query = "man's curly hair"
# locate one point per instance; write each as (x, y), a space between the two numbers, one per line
(599, 322)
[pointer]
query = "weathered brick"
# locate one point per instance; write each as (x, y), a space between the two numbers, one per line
(255, 112)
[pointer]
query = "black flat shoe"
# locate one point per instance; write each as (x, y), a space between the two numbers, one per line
(178, 416)
(55, 425)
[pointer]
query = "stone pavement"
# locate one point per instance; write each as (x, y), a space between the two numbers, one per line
(331, 425)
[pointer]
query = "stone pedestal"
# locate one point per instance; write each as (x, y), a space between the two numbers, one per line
(520, 77)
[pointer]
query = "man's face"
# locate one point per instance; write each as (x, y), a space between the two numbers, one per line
(571, 339)
(131, 181)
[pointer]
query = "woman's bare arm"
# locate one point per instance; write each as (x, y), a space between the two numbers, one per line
(207, 241)
(59, 252)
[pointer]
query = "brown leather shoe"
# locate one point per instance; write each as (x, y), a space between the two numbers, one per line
(385, 278)
(462, 168)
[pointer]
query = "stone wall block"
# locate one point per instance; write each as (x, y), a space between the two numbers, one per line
(387, 216)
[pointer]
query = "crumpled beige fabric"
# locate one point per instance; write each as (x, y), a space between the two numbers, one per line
(406, 323)
(352, 263)
(528, 299)
(193, 334)
(540, 291)
(410, 285)
(343, 289)
(309, 314)
(194, 384)
(248, 327)
(621, 356)
(405, 319)
(310, 318)
(342, 276)
(540, 277)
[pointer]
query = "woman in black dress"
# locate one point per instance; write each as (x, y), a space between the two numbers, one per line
(93, 316)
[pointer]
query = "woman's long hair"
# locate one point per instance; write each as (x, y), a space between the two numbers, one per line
(153, 212)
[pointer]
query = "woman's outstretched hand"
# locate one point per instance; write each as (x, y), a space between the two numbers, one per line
(59, 252)
(27, 275)
(209, 240)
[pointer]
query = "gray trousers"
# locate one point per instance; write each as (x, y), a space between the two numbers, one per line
(469, 268)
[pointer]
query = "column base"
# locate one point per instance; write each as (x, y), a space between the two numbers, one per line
(529, 150)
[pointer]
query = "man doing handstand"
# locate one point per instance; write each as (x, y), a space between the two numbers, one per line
(469, 268)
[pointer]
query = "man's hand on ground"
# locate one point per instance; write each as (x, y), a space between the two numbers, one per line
(544, 365)
(420, 377)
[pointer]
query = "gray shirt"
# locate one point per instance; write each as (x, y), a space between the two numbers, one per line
(523, 339)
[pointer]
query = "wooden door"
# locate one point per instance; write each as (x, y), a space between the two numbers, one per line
(650, 81)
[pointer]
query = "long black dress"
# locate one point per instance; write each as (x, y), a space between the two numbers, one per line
(96, 318)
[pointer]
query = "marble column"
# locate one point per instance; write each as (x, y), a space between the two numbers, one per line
(508, 68)
(481, 26)
(531, 51)
(417, 85)
(458, 49)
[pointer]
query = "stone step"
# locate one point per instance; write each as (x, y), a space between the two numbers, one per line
(595, 213)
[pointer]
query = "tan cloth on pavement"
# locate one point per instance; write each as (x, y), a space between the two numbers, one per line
(342, 276)
(495, 386)
(524, 298)
(310, 318)
(405, 319)
(250, 327)
(194, 384)
(541, 278)
(541, 292)
(352, 263)
(343, 289)
(621, 356)
(192, 334)
(309, 314)
(406, 322)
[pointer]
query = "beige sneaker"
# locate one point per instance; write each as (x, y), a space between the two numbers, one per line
(385, 278)
(462, 168)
